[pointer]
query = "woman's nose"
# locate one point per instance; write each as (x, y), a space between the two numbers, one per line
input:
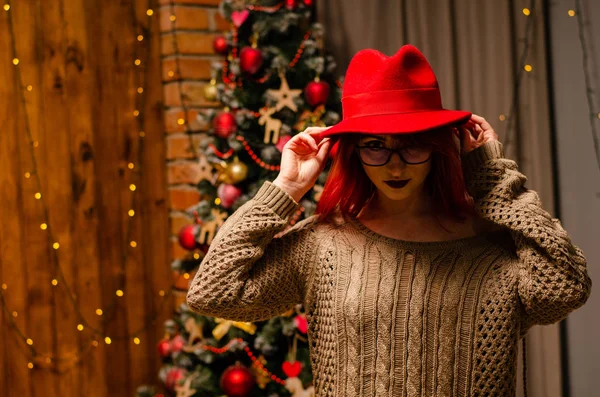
(396, 161)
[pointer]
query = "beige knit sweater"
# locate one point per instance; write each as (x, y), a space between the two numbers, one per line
(400, 318)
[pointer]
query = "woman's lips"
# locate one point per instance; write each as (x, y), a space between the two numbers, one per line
(397, 184)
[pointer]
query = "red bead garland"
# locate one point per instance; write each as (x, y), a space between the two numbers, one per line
(225, 348)
(219, 154)
(254, 157)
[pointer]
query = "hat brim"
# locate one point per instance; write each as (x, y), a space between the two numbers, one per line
(398, 123)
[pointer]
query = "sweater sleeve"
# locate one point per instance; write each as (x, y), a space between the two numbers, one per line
(552, 275)
(247, 273)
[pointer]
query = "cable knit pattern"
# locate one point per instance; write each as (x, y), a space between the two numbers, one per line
(389, 317)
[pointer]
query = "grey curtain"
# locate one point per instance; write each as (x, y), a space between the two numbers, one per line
(475, 48)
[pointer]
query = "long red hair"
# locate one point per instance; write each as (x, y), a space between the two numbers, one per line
(349, 188)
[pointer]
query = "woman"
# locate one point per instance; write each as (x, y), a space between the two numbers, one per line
(427, 259)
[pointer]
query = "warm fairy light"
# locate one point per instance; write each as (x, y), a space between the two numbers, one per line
(4, 287)
(29, 342)
(30, 365)
(15, 61)
(99, 312)
(186, 276)
(6, 7)
(48, 360)
(150, 12)
(217, 201)
(140, 37)
(36, 144)
(161, 292)
(140, 90)
(528, 68)
(172, 18)
(56, 246)
(29, 87)
(180, 121)
(142, 134)
(136, 113)
(171, 73)
(131, 213)
(196, 255)
(95, 343)
(137, 62)
(526, 11)
(571, 13)
(598, 115)
(55, 282)
(27, 175)
(136, 341)
(119, 292)
(80, 327)
(133, 244)
(130, 166)
(132, 187)
(15, 314)
(502, 117)
(38, 196)
(43, 226)
(107, 340)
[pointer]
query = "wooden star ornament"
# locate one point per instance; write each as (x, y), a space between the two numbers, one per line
(285, 96)
(185, 390)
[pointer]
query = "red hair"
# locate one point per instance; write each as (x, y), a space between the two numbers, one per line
(349, 188)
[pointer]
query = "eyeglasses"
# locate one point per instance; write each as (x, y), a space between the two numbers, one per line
(378, 156)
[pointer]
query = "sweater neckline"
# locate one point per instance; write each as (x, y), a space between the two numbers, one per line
(460, 242)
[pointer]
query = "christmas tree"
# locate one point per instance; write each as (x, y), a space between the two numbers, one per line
(275, 81)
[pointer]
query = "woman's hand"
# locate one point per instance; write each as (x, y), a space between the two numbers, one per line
(475, 133)
(302, 161)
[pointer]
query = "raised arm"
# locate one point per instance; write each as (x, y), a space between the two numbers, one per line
(247, 274)
(552, 274)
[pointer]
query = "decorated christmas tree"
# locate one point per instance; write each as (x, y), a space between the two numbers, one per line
(275, 80)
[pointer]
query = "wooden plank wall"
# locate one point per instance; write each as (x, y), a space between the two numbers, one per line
(78, 56)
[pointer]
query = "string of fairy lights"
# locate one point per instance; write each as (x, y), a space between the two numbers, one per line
(594, 113)
(48, 360)
(524, 67)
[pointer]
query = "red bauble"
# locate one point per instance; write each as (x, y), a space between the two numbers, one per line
(220, 45)
(228, 194)
(177, 344)
(316, 93)
(292, 369)
(237, 381)
(174, 375)
(164, 347)
(301, 323)
(290, 4)
(251, 59)
(282, 141)
(187, 237)
(308, 3)
(224, 124)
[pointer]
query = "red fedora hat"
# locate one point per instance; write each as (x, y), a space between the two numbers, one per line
(392, 95)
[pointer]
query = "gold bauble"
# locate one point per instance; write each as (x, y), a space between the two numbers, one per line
(237, 171)
(210, 91)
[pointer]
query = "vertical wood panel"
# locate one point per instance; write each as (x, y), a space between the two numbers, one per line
(57, 167)
(35, 242)
(80, 30)
(155, 206)
(17, 377)
(135, 269)
(112, 64)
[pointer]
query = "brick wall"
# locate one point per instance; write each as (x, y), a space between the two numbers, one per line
(196, 24)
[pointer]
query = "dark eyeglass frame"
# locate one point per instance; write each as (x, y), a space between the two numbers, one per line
(390, 152)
